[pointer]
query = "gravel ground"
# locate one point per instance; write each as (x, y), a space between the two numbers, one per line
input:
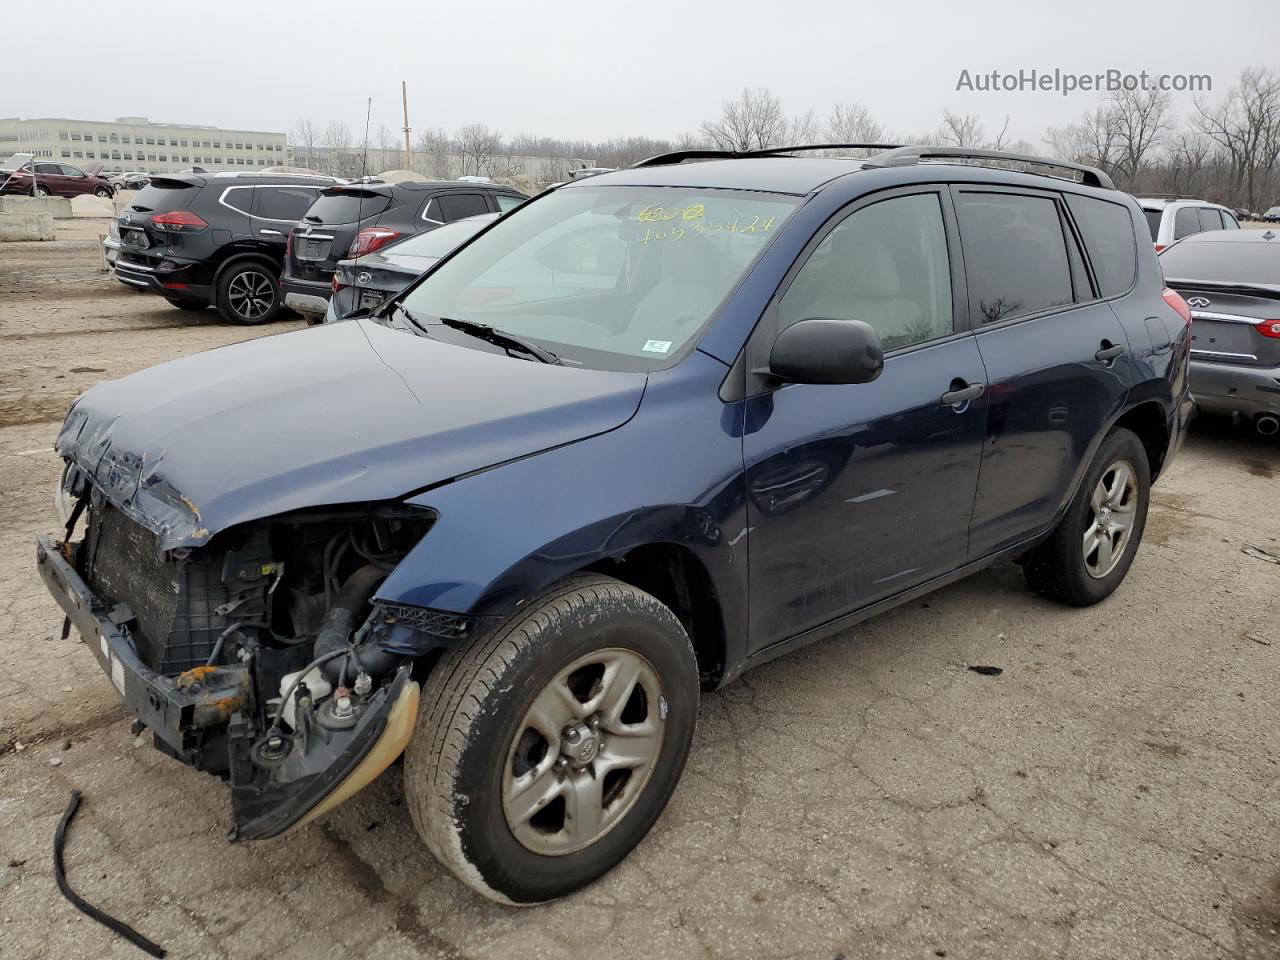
(1112, 794)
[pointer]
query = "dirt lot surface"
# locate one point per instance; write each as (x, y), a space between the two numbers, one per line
(1112, 794)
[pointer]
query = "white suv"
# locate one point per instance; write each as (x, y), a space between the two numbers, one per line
(1172, 218)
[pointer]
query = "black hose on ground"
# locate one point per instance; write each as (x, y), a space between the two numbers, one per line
(88, 909)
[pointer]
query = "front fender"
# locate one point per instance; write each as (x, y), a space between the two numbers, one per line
(673, 474)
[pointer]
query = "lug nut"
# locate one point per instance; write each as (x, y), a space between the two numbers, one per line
(571, 734)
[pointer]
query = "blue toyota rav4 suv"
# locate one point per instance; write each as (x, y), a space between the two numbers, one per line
(645, 432)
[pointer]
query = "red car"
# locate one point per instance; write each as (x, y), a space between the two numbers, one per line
(54, 180)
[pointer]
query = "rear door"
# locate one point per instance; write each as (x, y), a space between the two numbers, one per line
(51, 177)
(276, 210)
(1054, 354)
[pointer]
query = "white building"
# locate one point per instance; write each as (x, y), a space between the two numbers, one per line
(135, 143)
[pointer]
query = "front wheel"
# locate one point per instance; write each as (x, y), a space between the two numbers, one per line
(1093, 547)
(248, 293)
(546, 751)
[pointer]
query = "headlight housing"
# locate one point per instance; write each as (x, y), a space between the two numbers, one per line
(65, 492)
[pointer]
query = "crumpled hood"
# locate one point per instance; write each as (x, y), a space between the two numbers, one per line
(339, 413)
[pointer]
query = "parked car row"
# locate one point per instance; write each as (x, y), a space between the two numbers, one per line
(251, 243)
(1172, 218)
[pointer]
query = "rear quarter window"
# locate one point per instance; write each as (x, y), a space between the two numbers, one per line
(1109, 241)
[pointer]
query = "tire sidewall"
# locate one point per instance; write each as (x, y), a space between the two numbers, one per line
(487, 842)
(1119, 445)
(224, 285)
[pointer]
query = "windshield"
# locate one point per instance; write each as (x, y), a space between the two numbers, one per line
(1224, 261)
(436, 243)
(615, 278)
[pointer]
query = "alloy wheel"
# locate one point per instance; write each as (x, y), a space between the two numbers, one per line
(251, 294)
(1112, 510)
(583, 752)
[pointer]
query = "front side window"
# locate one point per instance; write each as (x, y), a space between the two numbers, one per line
(1107, 230)
(1015, 254)
(615, 278)
(885, 264)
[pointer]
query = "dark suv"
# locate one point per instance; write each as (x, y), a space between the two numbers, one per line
(214, 238)
(645, 432)
(352, 220)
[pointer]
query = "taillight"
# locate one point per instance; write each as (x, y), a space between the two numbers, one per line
(334, 285)
(1159, 247)
(370, 239)
(1269, 328)
(178, 220)
(1174, 299)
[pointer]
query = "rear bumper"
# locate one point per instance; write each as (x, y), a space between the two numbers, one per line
(310, 298)
(1227, 388)
(178, 284)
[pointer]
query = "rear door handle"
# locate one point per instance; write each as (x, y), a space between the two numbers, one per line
(267, 232)
(1108, 352)
(953, 398)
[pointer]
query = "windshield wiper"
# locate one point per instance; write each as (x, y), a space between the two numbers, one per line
(500, 338)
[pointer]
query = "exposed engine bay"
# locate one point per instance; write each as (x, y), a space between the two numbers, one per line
(261, 656)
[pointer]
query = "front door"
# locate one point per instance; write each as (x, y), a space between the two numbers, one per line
(859, 492)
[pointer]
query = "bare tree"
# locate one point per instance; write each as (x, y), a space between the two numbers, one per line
(754, 121)
(306, 137)
(431, 153)
(1093, 139)
(804, 129)
(960, 130)
(852, 123)
(1140, 120)
(478, 146)
(1001, 140)
(1246, 125)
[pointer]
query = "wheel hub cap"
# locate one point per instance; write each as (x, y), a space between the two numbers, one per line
(580, 745)
(1113, 509)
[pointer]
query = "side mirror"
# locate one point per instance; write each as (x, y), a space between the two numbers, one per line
(818, 350)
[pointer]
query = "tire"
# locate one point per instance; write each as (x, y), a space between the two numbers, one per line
(192, 305)
(38, 191)
(1063, 568)
(248, 292)
(476, 738)
(103, 192)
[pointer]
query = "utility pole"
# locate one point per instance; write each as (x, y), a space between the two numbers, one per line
(408, 152)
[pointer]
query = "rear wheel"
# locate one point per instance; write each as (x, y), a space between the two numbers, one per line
(102, 192)
(1091, 551)
(39, 191)
(248, 293)
(546, 751)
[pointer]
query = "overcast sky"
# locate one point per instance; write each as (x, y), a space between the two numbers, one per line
(580, 69)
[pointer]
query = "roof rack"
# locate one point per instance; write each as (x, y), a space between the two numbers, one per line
(680, 156)
(903, 156)
(1165, 196)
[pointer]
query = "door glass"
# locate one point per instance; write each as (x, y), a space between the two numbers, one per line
(1107, 229)
(1015, 255)
(455, 206)
(68, 170)
(885, 264)
(285, 203)
(48, 169)
(238, 198)
(1185, 223)
(1210, 219)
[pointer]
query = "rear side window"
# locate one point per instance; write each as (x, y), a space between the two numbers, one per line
(1107, 230)
(346, 206)
(1015, 254)
(1229, 222)
(506, 202)
(286, 203)
(1210, 219)
(1186, 222)
(885, 264)
(1153, 221)
(455, 206)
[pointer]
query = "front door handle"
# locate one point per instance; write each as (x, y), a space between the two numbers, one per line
(268, 232)
(1108, 352)
(963, 394)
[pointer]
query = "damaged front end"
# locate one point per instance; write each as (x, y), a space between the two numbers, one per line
(261, 656)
